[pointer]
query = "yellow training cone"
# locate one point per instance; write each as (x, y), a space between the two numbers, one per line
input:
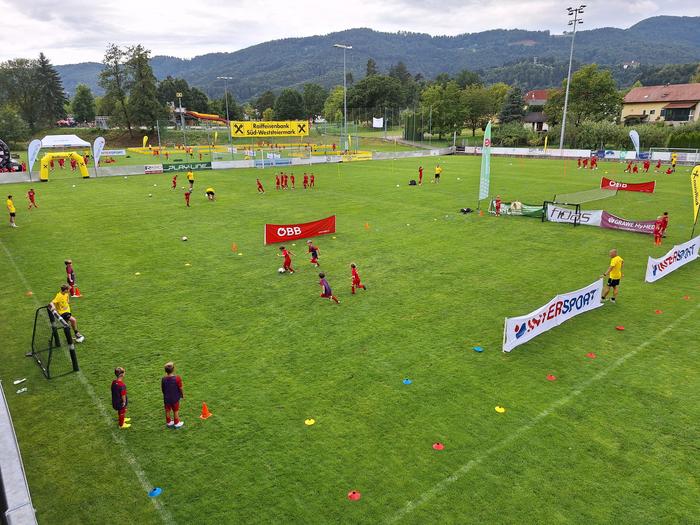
(137, 273)
(309, 422)
(500, 409)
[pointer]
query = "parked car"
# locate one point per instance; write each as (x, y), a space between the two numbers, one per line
(68, 122)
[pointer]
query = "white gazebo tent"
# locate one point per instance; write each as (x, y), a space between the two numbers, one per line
(63, 141)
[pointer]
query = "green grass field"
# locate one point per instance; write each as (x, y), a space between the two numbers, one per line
(613, 440)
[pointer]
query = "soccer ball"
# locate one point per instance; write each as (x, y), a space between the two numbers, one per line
(150, 195)
(184, 238)
(281, 270)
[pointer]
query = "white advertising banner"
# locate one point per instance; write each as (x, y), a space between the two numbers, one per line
(378, 122)
(153, 168)
(679, 255)
(519, 330)
(97, 148)
(113, 152)
(587, 217)
(33, 152)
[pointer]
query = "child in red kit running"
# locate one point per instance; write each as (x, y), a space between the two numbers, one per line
(306, 181)
(313, 250)
(312, 181)
(171, 385)
(578, 162)
(187, 197)
(260, 186)
(287, 264)
(31, 196)
(658, 230)
(174, 186)
(635, 169)
(356, 283)
(658, 165)
(326, 292)
(292, 179)
(119, 399)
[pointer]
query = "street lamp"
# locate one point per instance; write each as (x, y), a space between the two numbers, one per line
(228, 121)
(344, 47)
(575, 12)
(182, 119)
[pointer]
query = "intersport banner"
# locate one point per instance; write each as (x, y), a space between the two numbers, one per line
(610, 221)
(291, 232)
(679, 255)
(519, 330)
(644, 187)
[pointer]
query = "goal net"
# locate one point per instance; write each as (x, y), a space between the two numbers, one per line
(52, 344)
(580, 197)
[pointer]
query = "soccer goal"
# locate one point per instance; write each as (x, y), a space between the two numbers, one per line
(50, 339)
(561, 212)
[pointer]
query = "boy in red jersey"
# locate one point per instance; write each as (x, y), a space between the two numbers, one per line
(658, 165)
(277, 182)
(635, 169)
(171, 386)
(326, 292)
(70, 276)
(356, 283)
(31, 196)
(585, 163)
(594, 163)
(61, 162)
(646, 165)
(287, 264)
(260, 186)
(313, 250)
(187, 197)
(312, 180)
(73, 164)
(578, 162)
(420, 175)
(306, 181)
(119, 399)
(669, 171)
(174, 186)
(628, 169)
(292, 179)
(658, 230)
(664, 223)
(497, 204)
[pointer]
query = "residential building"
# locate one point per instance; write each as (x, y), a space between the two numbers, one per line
(535, 119)
(673, 104)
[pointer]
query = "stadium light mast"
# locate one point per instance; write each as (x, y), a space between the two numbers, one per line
(344, 47)
(575, 12)
(182, 119)
(228, 121)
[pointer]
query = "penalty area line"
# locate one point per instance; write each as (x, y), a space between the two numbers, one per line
(118, 439)
(440, 486)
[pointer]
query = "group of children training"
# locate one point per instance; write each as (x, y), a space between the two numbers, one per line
(171, 387)
(282, 181)
(209, 192)
(12, 209)
(326, 291)
(436, 177)
(587, 163)
(73, 163)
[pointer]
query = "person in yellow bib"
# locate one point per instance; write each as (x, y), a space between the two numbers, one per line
(13, 211)
(60, 307)
(210, 194)
(614, 274)
(438, 172)
(190, 178)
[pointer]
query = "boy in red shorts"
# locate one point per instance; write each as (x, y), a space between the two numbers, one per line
(291, 177)
(174, 186)
(326, 292)
(658, 230)
(287, 264)
(497, 204)
(356, 283)
(420, 175)
(312, 180)
(260, 186)
(313, 250)
(31, 196)
(277, 182)
(70, 276)
(119, 399)
(171, 385)
(187, 197)
(306, 181)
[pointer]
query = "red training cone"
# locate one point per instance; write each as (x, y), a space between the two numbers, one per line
(77, 292)
(205, 412)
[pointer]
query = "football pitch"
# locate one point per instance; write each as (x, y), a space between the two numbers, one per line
(614, 439)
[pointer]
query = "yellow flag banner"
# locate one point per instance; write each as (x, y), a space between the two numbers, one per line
(279, 128)
(695, 185)
(145, 140)
(216, 136)
(546, 139)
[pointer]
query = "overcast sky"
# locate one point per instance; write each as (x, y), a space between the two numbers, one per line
(70, 31)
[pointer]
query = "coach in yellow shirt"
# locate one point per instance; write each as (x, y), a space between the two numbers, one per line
(614, 274)
(12, 210)
(60, 306)
(438, 172)
(190, 177)
(210, 193)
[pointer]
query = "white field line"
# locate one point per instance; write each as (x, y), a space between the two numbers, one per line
(440, 486)
(109, 421)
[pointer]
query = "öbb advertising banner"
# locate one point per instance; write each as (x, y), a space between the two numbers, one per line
(610, 221)
(644, 187)
(291, 232)
(519, 330)
(679, 255)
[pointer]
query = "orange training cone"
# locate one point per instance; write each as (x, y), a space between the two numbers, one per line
(234, 247)
(205, 412)
(481, 213)
(77, 292)
(366, 226)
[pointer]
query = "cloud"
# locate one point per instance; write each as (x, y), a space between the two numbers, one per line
(75, 30)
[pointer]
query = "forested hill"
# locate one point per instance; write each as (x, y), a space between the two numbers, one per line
(292, 62)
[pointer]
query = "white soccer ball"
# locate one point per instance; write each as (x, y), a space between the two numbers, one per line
(80, 339)
(397, 186)
(184, 238)
(281, 270)
(150, 195)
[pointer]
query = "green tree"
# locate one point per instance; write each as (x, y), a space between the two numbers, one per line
(19, 88)
(593, 95)
(442, 108)
(400, 72)
(468, 78)
(513, 109)
(52, 97)
(83, 104)
(477, 107)
(289, 105)
(334, 105)
(235, 112)
(314, 98)
(371, 68)
(268, 114)
(115, 80)
(498, 93)
(197, 100)
(374, 93)
(696, 76)
(12, 128)
(144, 106)
(264, 101)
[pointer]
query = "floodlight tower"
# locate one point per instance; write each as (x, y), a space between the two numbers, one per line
(575, 21)
(182, 119)
(228, 121)
(344, 47)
